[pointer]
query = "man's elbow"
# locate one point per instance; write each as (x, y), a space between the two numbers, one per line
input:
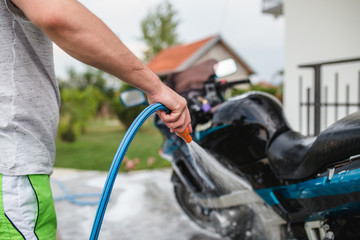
(48, 20)
(44, 14)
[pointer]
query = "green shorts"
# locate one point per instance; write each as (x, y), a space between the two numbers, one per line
(26, 208)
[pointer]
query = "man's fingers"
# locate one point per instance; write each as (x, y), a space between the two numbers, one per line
(179, 118)
(190, 127)
(176, 122)
(182, 124)
(173, 117)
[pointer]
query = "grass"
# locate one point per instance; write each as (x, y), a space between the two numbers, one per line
(95, 150)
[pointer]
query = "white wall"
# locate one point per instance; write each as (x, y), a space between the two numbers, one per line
(317, 31)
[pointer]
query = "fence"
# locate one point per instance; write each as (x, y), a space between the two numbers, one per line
(317, 103)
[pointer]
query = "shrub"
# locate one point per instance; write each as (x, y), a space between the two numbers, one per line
(77, 108)
(273, 90)
(125, 115)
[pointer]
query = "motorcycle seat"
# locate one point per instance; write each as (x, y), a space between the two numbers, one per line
(294, 156)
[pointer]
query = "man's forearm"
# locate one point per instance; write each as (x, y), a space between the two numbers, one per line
(85, 37)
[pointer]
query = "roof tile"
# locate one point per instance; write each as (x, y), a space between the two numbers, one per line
(168, 60)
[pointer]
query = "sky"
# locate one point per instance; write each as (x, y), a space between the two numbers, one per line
(256, 37)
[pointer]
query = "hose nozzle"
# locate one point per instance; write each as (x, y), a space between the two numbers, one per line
(185, 135)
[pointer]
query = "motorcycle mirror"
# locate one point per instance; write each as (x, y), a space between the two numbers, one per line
(133, 97)
(225, 67)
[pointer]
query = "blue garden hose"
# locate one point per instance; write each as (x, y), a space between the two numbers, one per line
(120, 153)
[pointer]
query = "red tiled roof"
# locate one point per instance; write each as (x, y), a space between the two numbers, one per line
(171, 58)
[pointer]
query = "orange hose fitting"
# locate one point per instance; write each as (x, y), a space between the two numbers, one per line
(185, 135)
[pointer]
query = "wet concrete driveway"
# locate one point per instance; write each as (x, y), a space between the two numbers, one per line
(142, 207)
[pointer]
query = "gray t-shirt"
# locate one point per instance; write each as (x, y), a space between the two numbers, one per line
(29, 96)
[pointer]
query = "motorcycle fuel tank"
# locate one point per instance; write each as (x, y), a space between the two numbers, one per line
(244, 126)
(253, 108)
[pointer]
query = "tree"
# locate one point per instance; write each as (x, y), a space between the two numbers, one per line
(159, 29)
(276, 91)
(89, 77)
(125, 115)
(82, 96)
(77, 108)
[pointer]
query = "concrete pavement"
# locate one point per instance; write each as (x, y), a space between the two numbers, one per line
(142, 206)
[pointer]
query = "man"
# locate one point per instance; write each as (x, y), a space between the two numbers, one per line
(29, 101)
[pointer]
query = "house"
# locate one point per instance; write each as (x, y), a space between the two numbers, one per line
(180, 57)
(322, 60)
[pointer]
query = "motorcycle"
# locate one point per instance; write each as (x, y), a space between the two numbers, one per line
(265, 181)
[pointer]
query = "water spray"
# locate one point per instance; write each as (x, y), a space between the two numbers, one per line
(115, 166)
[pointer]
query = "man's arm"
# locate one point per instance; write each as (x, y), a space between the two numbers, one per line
(85, 37)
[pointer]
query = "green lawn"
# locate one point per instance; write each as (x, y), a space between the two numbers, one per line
(96, 149)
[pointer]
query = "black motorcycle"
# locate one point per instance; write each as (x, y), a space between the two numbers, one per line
(264, 180)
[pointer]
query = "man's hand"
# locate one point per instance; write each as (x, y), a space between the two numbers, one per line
(179, 118)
